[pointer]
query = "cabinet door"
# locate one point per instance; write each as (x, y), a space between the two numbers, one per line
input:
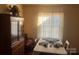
(5, 34)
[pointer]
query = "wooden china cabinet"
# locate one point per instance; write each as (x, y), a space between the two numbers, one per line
(11, 39)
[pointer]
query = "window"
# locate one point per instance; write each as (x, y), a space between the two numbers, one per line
(50, 25)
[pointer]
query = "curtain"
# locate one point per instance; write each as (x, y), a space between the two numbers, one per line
(50, 26)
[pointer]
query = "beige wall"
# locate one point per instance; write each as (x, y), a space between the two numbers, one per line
(31, 16)
(71, 28)
(71, 20)
(20, 7)
(3, 8)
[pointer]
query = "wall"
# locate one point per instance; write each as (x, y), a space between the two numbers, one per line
(71, 19)
(4, 8)
(31, 16)
(71, 28)
(20, 7)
